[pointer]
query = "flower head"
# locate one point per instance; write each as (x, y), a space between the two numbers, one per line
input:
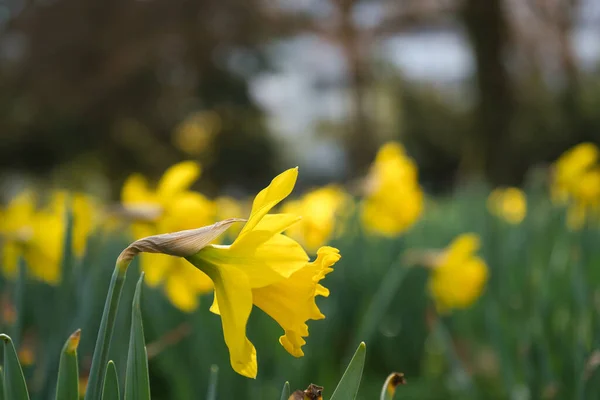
(37, 233)
(394, 199)
(320, 209)
(459, 276)
(576, 182)
(509, 204)
(261, 267)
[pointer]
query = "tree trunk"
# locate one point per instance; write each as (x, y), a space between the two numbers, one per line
(488, 149)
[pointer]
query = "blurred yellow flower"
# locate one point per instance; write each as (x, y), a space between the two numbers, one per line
(197, 131)
(228, 207)
(320, 208)
(576, 182)
(459, 276)
(170, 207)
(38, 234)
(394, 199)
(261, 267)
(509, 204)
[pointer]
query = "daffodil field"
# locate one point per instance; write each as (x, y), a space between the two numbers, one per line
(481, 294)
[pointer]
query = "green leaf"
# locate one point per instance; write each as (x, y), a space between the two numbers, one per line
(380, 303)
(15, 387)
(347, 388)
(137, 381)
(107, 324)
(67, 387)
(285, 393)
(212, 383)
(391, 383)
(19, 301)
(1, 384)
(111, 383)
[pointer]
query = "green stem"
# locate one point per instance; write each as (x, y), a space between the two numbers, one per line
(100, 358)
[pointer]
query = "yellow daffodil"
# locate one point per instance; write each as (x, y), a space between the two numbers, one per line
(261, 267)
(320, 208)
(459, 276)
(577, 183)
(168, 208)
(509, 204)
(569, 168)
(38, 235)
(394, 199)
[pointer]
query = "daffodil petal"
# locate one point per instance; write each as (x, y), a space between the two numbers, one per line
(156, 267)
(279, 188)
(177, 178)
(235, 303)
(180, 293)
(214, 308)
(268, 227)
(135, 190)
(10, 259)
(274, 260)
(463, 247)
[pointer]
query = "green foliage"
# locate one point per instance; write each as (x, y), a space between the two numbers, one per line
(110, 391)
(347, 388)
(212, 383)
(285, 392)
(14, 381)
(100, 359)
(137, 382)
(67, 387)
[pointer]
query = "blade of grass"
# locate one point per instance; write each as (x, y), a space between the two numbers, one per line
(100, 357)
(212, 383)
(137, 381)
(285, 392)
(347, 388)
(67, 387)
(110, 391)
(1, 383)
(15, 387)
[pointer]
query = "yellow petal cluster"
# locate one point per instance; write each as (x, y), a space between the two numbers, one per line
(170, 207)
(37, 234)
(509, 204)
(576, 182)
(320, 209)
(263, 267)
(459, 276)
(394, 199)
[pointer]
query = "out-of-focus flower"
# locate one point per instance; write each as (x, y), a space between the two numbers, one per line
(459, 275)
(38, 234)
(197, 132)
(228, 207)
(170, 207)
(394, 199)
(261, 267)
(509, 204)
(320, 208)
(576, 182)
(85, 216)
(570, 167)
